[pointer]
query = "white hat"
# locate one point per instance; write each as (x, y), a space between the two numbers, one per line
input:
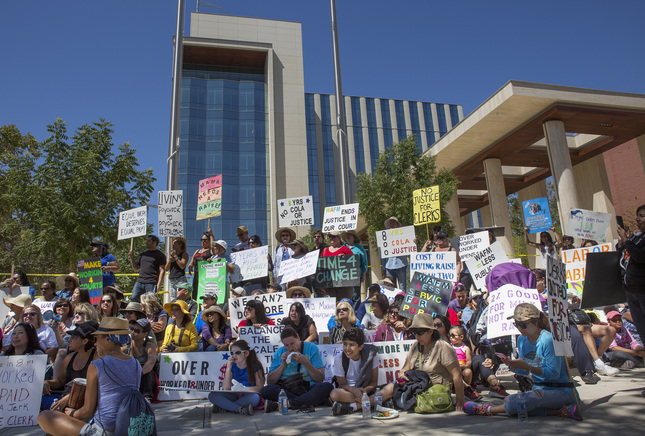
(222, 244)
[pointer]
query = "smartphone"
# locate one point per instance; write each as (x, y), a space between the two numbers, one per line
(619, 221)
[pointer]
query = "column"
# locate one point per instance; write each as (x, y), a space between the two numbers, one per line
(452, 209)
(497, 202)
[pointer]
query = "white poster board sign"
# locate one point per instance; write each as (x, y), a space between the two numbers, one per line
(170, 217)
(396, 242)
(22, 386)
(480, 263)
(191, 376)
(133, 223)
(501, 305)
(468, 245)
(587, 224)
(253, 263)
(320, 309)
(440, 264)
(273, 305)
(264, 340)
(556, 286)
(576, 260)
(340, 218)
(297, 211)
(294, 269)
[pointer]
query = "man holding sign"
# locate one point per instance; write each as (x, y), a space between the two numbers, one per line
(151, 266)
(396, 267)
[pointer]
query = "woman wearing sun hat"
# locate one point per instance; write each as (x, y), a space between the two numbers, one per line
(67, 285)
(216, 333)
(181, 335)
(283, 252)
(16, 305)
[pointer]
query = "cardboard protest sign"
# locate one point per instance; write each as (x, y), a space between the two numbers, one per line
(253, 263)
(212, 278)
(209, 199)
(264, 340)
(170, 219)
(537, 216)
(556, 286)
(480, 263)
(186, 376)
(21, 378)
(321, 310)
(338, 272)
(501, 305)
(426, 205)
(294, 269)
(133, 223)
(576, 260)
(396, 242)
(441, 264)
(340, 218)
(587, 224)
(274, 306)
(297, 211)
(603, 285)
(426, 294)
(468, 245)
(90, 276)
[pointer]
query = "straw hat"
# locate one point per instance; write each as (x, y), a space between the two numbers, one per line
(133, 307)
(215, 309)
(182, 305)
(116, 288)
(22, 300)
(386, 223)
(337, 233)
(354, 233)
(525, 312)
(302, 289)
(285, 229)
(241, 230)
(387, 282)
(113, 326)
(60, 280)
(423, 321)
(301, 244)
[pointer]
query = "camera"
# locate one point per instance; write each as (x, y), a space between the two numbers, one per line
(172, 346)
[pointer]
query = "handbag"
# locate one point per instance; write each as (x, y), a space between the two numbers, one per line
(435, 399)
(295, 384)
(579, 317)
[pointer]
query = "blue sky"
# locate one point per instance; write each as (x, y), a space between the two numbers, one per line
(82, 60)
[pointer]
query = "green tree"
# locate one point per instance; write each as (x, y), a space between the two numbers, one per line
(517, 227)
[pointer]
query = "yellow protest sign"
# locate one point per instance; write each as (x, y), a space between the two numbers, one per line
(426, 205)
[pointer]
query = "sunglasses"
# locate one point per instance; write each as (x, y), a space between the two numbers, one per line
(419, 332)
(128, 312)
(137, 331)
(205, 240)
(520, 324)
(45, 289)
(106, 301)
(342, 309)
(237, 353)
(29, 314)
(297, 294)
(455, 335)
(438, 325)
(393, 312)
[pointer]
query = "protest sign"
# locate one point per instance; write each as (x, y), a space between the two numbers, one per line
(321, 310)
(426, 205)
(338, 272)
(90, 277)
(440, 264)
(537, 216)
(253, 263)
(576, 260)
(297, 211)
(481, 262)
(468, 245)
(294, 269)
(209, 198)
(390, 293)
(603, 285)
(46, 308)
(340, 218)
(501, 305)
(587, 224)
(264, 340)
(133, 223)
(185, 376)
(426, 294)
(556, 286)
(170, 218)
(212, 278)
(22, 386)
(274, 306)
(396, 242)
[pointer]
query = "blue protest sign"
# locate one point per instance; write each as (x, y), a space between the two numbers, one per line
(537, 216)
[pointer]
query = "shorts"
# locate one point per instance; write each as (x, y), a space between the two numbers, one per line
(93, 428)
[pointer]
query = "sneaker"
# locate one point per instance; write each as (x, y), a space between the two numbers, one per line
(497, 391)
(341, 409)
(328, 403)
(628, 364)
(215, 409)
(571, 411)
(271, 406)
(246, 410)
(307, 409)
(604, 369)
(473, 408)
(472, 393)
(590, 377)
(388, 403)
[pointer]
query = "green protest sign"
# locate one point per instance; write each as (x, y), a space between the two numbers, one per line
(212, 278)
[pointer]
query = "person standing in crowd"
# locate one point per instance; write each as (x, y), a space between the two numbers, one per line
(243, 236)
(151, 266)
(459, 303)
(109, 263)
(337, 248)
(319, 240)
(567, 242)
(299, 251)
(344, 320)
(442, 245)
(16, 281)
(396, 267)
(67, 285)
(282, 252)
(157, 316)
(145, 352)
(184, 293)
(393, 327)
(181, 335)
(201, 255)
(215, 331)
(546, 245)
(302, 323)
(23, 342)
(260, 282)
(218, 249)
(176, 265)
(354, 243)
(108, 307)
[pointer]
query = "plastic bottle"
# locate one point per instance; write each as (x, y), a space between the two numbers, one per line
(378, 399)
(365, 405)
(522, 414)
(282, 401)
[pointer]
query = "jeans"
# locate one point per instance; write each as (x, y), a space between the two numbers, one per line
(173, 287)
(250, 287)
(637, 308)
(581, 355)
(400, 275)
(140, 289)
(478, 367)
(317, 394)
(231, 401)
(356, 298)
(539, 400)
(617, 358)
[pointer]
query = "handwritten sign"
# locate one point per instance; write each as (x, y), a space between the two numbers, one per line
(170, 217)
(556, 286)
(468, 245)
(297, 211)
(273, 305)
(253, 263)
(319, 309)
(396, 242)
(21, 378)
(133, 223)
(426, 205)
(212, 278)
(537, 216)
(209, 198)
(340, 218)
(294, 269)
(587, 224)
(502, 303)
(90, 276)
(441, 264)
(483, 261)
(426, 294)
(264, 340)
(576, 260)
(338, 272)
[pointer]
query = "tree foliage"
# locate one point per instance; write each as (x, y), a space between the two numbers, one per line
(517, 227)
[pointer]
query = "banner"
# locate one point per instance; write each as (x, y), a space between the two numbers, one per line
(440, 264)
(468, 245)
(320, 309)
(274, 306)
(21, 378)
(576, 260)
(537, 216)
(209, 199)
(170, 218)
(133, 223)
(481, 262)
(253, 263)
(294, 269)
(396, 242)
(426, 205)
(264, 340)
(556, 286)
(90, 276)
(340, 218)
(338, 272)
(212, 278)
(501, 305)
(426, 294)
(587, 224)
(297, 211)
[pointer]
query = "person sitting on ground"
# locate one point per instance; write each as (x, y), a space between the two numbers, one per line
(255, 314)
(372, 290)
(459, 303)
(257, 292)
(31, 314)
(24, 343)
(272, 288)
(342, 322)
(296, 357)
(209, 298)
(80, 295)
(373, 318)
(181, 335)
(134, 311)
(606, 334)
(242, 359)
(233, 294)
(145, 352)
(118, 293)
(64, 309)
(394, 327)
(301, 323)
(624, 352)
(156, 314)
(443, 326)
(457, 337)
(16, 306)
(356, 372)
(552, 392)
(184, 292)
(108, 307)
(49, 297)
(216, 333)
(67, 284)
(298, 292)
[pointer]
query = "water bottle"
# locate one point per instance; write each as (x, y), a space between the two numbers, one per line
(378, 400)
(282, 400)
(522, 414)
(365, 405)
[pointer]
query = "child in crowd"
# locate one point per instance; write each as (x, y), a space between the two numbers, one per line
(624, 352)
(464, 355)
(237, 368)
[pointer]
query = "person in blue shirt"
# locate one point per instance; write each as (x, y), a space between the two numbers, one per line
(109, 264)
